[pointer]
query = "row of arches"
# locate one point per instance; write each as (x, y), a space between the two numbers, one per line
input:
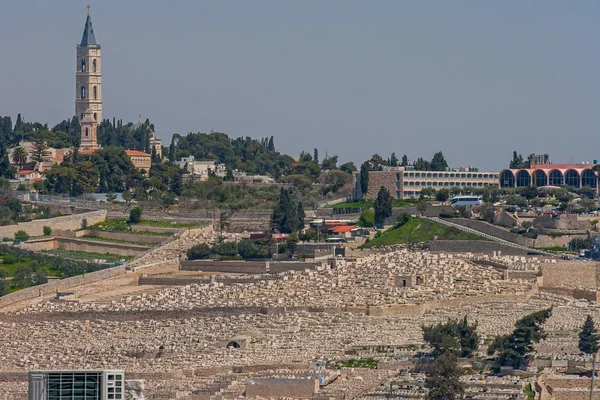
(555, 177)
(82, 95)
(84, 65)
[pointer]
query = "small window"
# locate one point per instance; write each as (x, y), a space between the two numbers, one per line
(87, 131)
(83, 68)
(95, 93)
(94, 65)
(95, 117)
(83, 93)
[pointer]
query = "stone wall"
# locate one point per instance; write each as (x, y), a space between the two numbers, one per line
(543, 241)
(128, 237)
(60, 285)
(244, 267)
(583, 294)
(574, 274)
(377, 179)
(100, 247)
(156, 229)
(65, 223)
(240, 267)
(565, 222)
(279, 388)
(494, 231)
(474, 246)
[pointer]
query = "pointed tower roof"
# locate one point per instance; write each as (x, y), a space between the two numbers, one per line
(88, 38)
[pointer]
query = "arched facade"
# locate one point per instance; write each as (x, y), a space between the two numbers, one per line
(588, 178)
(556, 178)
(523, 178)
(575, 175)
(541, 178)
(507, 179)
(572, 178)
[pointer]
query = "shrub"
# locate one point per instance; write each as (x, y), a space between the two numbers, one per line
(9, 259)
(366, 219)
(446, 215)
(135, 215)
(225, 249)
(22, 236)
(249, 249)
(47, 231)
(199, 252)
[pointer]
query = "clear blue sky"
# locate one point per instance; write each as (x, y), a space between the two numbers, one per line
(476, 79)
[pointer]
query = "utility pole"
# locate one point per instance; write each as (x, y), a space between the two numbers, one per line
(593, 376)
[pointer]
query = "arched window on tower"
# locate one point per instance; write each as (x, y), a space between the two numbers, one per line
(94, 65)
(82, 65)
(83, 93)
(95, 117)
(95, 93)
(87, 132)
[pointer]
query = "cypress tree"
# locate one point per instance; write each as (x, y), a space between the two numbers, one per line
(364, 178)
(588, 337)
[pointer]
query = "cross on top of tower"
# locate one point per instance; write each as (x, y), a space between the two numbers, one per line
(88, 7)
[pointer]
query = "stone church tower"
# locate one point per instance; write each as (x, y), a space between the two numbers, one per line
(88, 77)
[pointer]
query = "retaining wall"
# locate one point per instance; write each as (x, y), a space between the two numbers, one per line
(60, 285)
(156, 229)
(245, 267)
(574, 274)
(128, 237)
(494, 231)
(100, 247)
(64, 223)
(474, 246)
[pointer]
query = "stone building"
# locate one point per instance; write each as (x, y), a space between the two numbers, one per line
(140, 159)
(404, 182)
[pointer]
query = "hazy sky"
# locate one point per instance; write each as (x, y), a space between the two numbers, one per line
(475, 79)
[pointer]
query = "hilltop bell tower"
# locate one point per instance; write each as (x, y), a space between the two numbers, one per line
(88, 78)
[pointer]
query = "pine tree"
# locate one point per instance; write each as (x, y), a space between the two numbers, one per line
(316, 156)
(19, 125)
(588, 337)
(393, 160)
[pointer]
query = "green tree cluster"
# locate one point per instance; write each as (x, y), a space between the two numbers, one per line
(455, 336)
(516, 348)
(288, 215)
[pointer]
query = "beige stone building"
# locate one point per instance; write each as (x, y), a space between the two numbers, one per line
(140, 159)
(403, 182)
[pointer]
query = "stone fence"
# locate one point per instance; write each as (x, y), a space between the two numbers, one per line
(64, 223)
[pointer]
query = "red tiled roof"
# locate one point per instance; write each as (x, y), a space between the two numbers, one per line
(26, 172)
(89, 151)
(136, 153)
(334, 223)
(341, 229)
(37, 179)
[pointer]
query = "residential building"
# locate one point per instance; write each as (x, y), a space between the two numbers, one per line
(200, 169)
(405, 182)
(140, 159)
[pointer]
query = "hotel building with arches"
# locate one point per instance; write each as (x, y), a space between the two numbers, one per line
(575, 175)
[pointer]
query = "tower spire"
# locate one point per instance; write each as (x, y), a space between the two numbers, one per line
(88, 38)
(88, 7)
